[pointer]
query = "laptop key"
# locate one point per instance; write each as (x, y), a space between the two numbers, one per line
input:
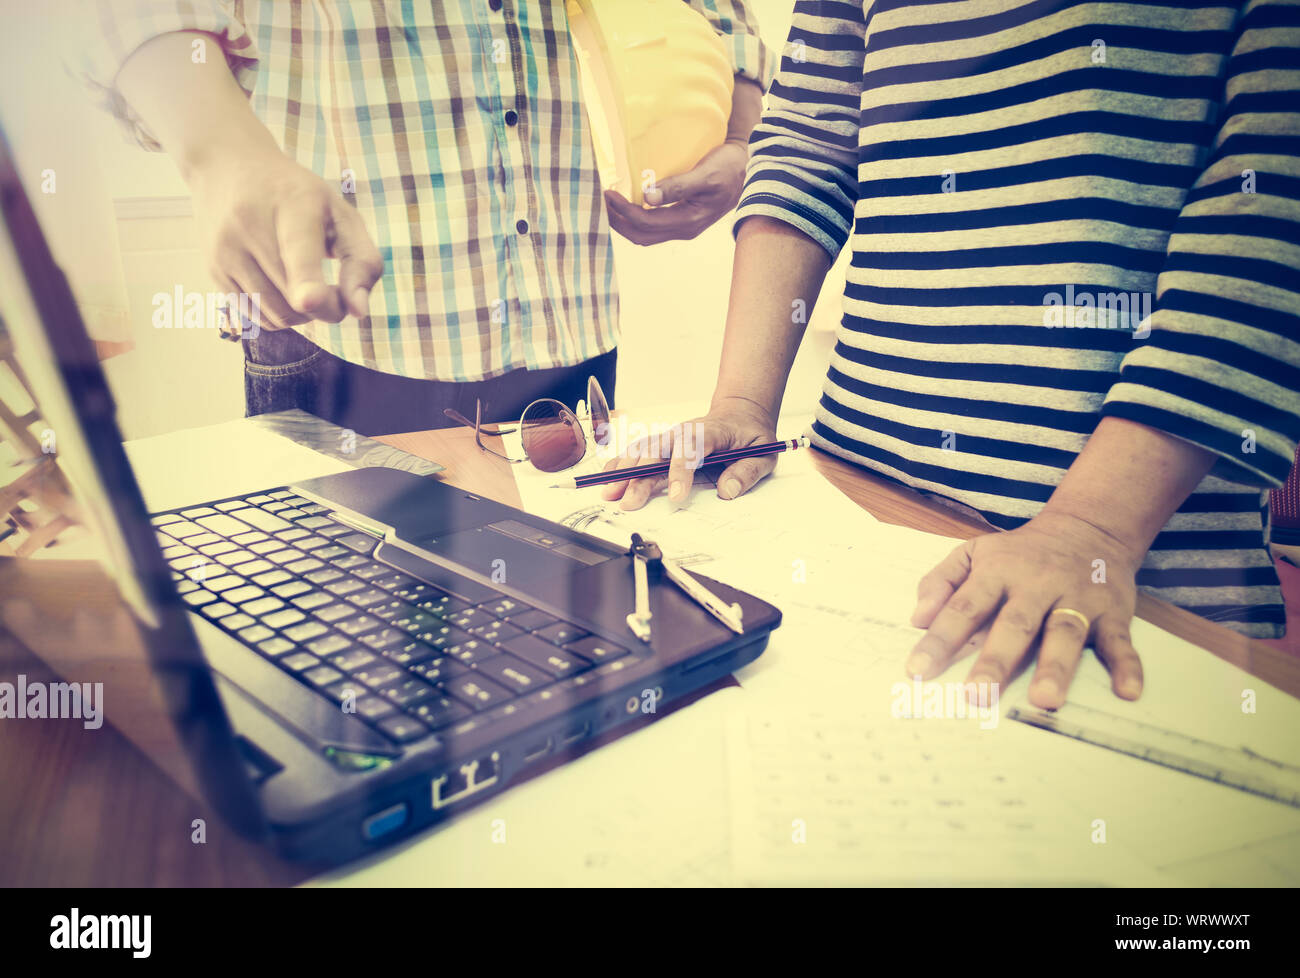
(312, 599)
(183, 529)
(534, 619)
(322, 676)
(384, 638)
(513, 673)
(311, 543)
(230, 504)
(274, 646)
(438, 671)
(411, 652)
(257, 500)
(478, 691)
(378, 675)
(253, 536)
(444, 605)
(299, 661)
(369, 596)
(270, 578)
(197, 598)
(470, 618)
(301, 633)
(312, 522)
(235, 557)
(371, 707)
(497, 632)
(291, 589)
(345, 586)
(216, 549)
(287, 556)
(407, 693)
(262, 606)
(362, 543)
(471, 651)
(226, 526)
(559, 663)
(335, 612)
(402, 729)
(504, 608)
(166, 518)
(323, 576)
(393, 581)
(279, 619)
(262, 520)
(303, 566)
(236, 622)
(596, 649)
(440, 711)
(322, 647)
(254, 567)
(370, 570)
(349, 661)
(265, 547)
(263, 635)
(219, 610)
(202, 540)
(313, 508)
(355, 626)
(333, 552)
(561, 633)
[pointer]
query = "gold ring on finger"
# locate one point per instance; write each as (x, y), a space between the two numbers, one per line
(1083, 619)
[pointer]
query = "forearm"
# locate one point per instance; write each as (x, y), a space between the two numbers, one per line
(776, 277)
(746, 110)
(1129, 480)
(197, 110)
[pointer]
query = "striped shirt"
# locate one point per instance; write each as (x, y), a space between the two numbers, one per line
(1006, 171)
(457, 129)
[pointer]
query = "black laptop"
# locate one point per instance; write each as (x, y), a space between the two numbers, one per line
(337, 660)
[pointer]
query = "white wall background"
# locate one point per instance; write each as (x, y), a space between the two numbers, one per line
(674, 295)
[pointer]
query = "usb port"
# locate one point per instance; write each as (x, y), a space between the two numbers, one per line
(577, 733)
(536, 751)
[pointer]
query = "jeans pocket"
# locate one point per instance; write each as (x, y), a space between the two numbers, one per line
(280, 372)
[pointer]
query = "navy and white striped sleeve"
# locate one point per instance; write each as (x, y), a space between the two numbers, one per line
(803, 155)
(1221, 368)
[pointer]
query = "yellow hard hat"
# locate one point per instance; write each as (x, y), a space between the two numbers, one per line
(657, 84)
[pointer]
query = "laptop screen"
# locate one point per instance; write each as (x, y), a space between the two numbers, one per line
(156, 686)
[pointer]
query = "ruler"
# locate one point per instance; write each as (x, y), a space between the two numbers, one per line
(1238, 767)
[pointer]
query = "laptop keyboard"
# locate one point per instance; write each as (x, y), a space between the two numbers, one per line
(302, 590)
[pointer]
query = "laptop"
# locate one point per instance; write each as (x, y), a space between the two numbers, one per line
(335, 664)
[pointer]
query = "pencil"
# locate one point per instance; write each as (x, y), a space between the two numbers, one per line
(661, 467)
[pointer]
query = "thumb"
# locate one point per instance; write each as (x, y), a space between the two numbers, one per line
(673, 190)
(691, 443)
(362, 264)
(739, 477)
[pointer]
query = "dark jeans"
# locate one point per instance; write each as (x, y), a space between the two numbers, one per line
(284, 370)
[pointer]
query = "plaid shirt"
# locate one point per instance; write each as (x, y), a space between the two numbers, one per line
(457, 129)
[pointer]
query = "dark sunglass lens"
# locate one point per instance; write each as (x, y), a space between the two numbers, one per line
(551, 436)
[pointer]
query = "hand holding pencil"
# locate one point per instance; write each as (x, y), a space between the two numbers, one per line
(727, 431)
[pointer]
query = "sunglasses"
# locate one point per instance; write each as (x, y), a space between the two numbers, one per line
(552, 435)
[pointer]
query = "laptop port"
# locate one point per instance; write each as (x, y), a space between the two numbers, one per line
(469, 779)
(537, 750)
(577, 733)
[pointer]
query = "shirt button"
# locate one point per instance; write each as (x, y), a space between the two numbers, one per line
(521, 226)
(512, 117)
